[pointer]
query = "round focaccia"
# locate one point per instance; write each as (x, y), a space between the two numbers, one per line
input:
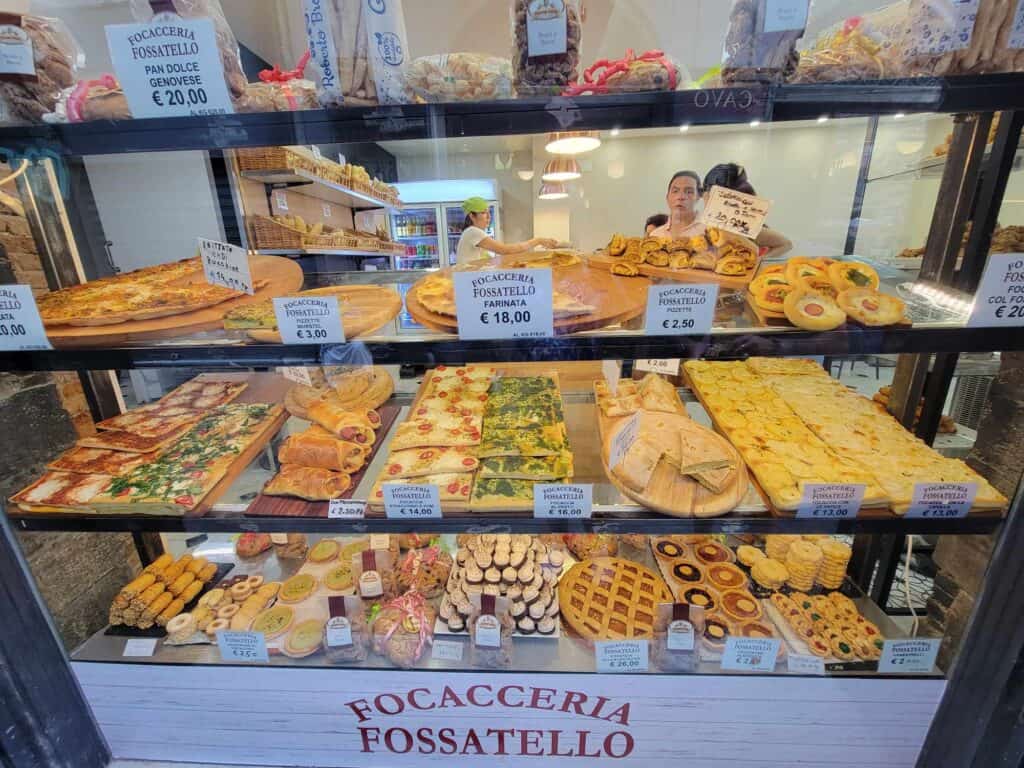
(773, 296)
(869, 307)
(800, 267)
(813, 310)
(852, 274)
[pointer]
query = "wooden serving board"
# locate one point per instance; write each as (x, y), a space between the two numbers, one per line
(282, 276)
(603, 261)
(287, 506)
(767, 317)
(364, 309)
(616, 300)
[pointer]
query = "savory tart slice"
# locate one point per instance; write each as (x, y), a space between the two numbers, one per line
(152, 420)
(309, 483)
(98, 461)
(536, 441)
(547, 468)
(638, 464)
(60, 492)
(417, 462)
(502, 493)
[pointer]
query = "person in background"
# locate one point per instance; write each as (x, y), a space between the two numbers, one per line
(475, 243)
(684, 192)
(655, 221)
(733, 176)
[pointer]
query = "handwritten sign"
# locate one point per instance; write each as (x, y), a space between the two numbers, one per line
(612, 370)
(346, 509)
(806, 665)
(999, 300)
(226, 265)
(785, 15)
(623, 440)
(296, 374)
(669, 367)
(736, 212)
(139, 647)
(446, 650)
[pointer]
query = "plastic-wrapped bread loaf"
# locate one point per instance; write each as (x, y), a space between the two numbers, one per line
(26, 98)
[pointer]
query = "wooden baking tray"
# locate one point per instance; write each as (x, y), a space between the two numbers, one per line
(601, 260)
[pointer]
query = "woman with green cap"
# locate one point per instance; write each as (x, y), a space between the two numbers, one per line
(475, 242)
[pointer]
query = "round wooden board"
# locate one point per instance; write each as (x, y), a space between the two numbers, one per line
(615, 300)
(365, 308)
(673, 494)
(282, 276)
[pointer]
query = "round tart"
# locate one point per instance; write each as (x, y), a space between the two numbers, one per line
(712, 552)
(756, 629)
(700, 597)
(305, 639)
(800, 268)
(869, 307)
(741, 605)
(852, 274)
(687, 573)
(715, 633)
(297, 588)
(773, 297)
(339, 578)
(765, 281)
(813, 310)
(726, 576)
(668, 549)
(274, 622)
(353, 548)
(324, 551)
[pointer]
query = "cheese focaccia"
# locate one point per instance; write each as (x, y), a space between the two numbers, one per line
(98, 461)
(61, 492)
(418, 462)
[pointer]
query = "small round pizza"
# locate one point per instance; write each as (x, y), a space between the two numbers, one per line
(813, 311)
(852, 274)
(869, 307)
(773, 297)
(801, 267)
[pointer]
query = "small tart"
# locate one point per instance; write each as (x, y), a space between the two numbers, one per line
(869, 307)
(339, 578)
(756, 629)
(712, 552)
(852, 274)
(297, 588)
(274, 622)
(352, 548)
(726, 576)
(670, 549)
(305, 639)
(843, 649)
(800, 268)
(818, 647)
(715, 633)
(773, 298)
(700, 597)
(813, 310)
(741, 605)
(324, 551)
(765, 281)
(687, 573)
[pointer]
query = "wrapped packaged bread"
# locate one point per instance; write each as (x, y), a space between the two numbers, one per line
(460, 77)
(759, 47)
(40, 59)
(547, 43)
(337, 39)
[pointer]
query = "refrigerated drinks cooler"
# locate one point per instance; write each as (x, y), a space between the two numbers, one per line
(428, 246)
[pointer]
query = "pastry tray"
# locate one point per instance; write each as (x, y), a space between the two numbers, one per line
(798, 646)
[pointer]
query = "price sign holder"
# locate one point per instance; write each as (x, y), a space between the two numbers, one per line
(668, 367)
(805, 665)
(621, 656)
(296, 374)
(785, 15)
(281, 198)
(504, 304)
(735, 212)
(411, 502)
(942, 501)
(559, 501)
(999, 300)
(830, 501)
(21, 328)
(139, 647)
(680, 309)
(446, 650)
(242, 646)
(915, 656)
(309, 319)
(226, 265)
(612, 370)
(750, 654)
(346, 509)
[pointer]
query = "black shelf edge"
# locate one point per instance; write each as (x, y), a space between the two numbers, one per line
(723, 346)
(981, 93)
(654, 524)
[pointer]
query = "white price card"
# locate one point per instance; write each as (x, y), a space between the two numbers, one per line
(346, 509)
(281, 198)
(504, 304)
(317, 154)
(785, 15)
(170, 67)
(242, 646)
(735, 212)
(680, 308)
(226, 265)
(339, 632)
(909, 657)
(624, 439)
(1017, 30)
(750, 654)
(488, 631)
(139, 647)
(16, 56)
(800, 664)
(446, 650)
(831, 501)
(618, 656)
(669, 367)
(309, 319)
(559, 501)
(942, 501)
(327, 211)
(296, 374)
(680, 635)
(612, 370)
(945, 27)
(411, 502)
(21, 328)
(999, 300)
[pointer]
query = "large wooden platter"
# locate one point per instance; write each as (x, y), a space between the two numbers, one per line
(601, 260)
(364, 309)
(616, 300)
(668, 491)
(281, 275)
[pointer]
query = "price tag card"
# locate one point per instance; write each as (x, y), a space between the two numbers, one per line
(346, 509)
(170, 67)
(242, 646)
(909, 657)
(411, 502)
(617, 656)
(680, 636)
(327, 211)
(563, 502)
(999, 300)
(446, 650)
(488, 631)
(226, 265)
(16, 56)
(1017, 30)
(785, 15)
(679, 308)
(942, 500)
(668, 367)
(750, 654)
(735, 212)
(830, 501)
(298, 375)
(806, 665)
(281, 198)
(139, 647)
(309, 320)
(21, 328)
(317, 154)
(339, 632)
(612, 370)
(504, 304)
(624, 439)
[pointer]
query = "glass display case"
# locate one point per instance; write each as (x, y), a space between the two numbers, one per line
(714, 456)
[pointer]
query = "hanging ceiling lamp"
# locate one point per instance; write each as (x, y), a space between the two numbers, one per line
(553, 191)
(573, 142)
(561, 168)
